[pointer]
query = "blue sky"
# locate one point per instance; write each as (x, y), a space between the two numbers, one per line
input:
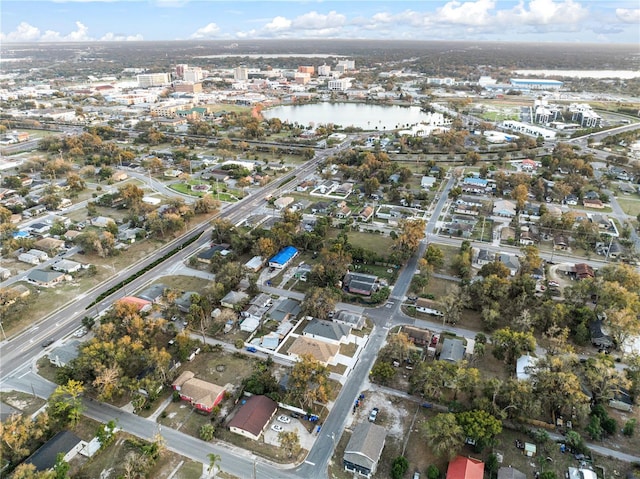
(585, 21)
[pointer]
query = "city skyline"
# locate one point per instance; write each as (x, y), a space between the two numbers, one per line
(481, 20)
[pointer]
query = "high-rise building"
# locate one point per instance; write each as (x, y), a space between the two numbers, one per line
(241, 74)
(306, 69)
(347, 64)
(193, 74)
(147, 80)
(180, 70)
(324, 70)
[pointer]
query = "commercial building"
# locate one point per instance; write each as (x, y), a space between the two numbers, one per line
(340, 84)
(147, 80)
(535, 84)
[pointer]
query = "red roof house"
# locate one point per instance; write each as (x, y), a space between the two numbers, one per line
(253, 416)
(141, 304)
(203, 395)
(465, 468)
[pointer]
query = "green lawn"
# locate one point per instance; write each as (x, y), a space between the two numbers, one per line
(630, 205)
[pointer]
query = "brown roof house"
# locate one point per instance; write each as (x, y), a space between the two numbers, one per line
(321, 351)
(203, 395)
(253, 416)
(364, 449)
(584, 271)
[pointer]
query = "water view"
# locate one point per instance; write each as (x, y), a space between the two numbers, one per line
(359, 115)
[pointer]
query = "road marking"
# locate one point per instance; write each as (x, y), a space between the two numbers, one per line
(310, 463)
(24, 374)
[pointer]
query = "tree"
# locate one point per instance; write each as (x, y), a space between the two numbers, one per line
(399, 466)
(602, 379)
(61, 467)
(444, 435)
(520, 194)
(207, 431)
(309, 382)
(214, 461)
(106, 433)
(398, 347)
(509, 345)
(17, 432)
(382, 372)
(318, 302)
(206, 204)
(434, 256)
(65, 404)
(433, 472)
(408, 240)
(479, 426)
(132, 196)
(289, 442)
(330, 268)
(623, 324)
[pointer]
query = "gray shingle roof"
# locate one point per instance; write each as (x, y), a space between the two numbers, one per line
(365, 445)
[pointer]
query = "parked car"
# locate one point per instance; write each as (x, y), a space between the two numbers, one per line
(277, 428)
(80, 332)
(373, 414)
(251, 349)
(416, 475)
(284, 419)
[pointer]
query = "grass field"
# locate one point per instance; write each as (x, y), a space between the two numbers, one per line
(630, 204)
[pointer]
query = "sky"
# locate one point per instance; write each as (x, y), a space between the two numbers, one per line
(581, 21)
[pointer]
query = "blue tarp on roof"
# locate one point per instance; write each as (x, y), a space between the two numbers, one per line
(284, 255)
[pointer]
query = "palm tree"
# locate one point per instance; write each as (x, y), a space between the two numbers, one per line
(214, 460)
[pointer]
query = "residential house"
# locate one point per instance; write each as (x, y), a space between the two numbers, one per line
(599, 337)
(41, 255)
(510, 473)
(469, 202)
(101, 221)
(595, 203)
(453, 350)
(485, 257)
(153, 293)
(50, 245)
(580, 473)
(282, 203)
(207, 255)
(284, 310)
(45, 279)
(253, 416)
(571, 200)
(321, 351)
(504, 208)
(363, 451)
(428, 182)
(202, 395)
(510, 261)
(261, 300)
(359, 283)
(366, 213)
(584, 271)
(526, 237)
(249, 324)
(5, 273)
(283, 257)
(66, 266)
(343, 211)
(560, 242)
(28, 258)
(459, 229)
(465, 468)
(329, 331)
(142, 305)
(65, 443)
(418, 336)
(39, 229)
(63, 355)
(254, 264)
(529, 165)
(351, 319)
(184, 301)
(234, 299)
(321, 207)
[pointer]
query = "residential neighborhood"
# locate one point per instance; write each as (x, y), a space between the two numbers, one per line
(200, 288)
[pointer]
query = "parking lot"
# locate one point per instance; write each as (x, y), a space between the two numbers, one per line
(306, 438)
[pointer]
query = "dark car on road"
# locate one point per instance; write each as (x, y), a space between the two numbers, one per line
(47, 343)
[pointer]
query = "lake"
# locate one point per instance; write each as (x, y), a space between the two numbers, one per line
(359, 115)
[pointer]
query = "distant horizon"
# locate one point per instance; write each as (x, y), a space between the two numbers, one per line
(502, 21)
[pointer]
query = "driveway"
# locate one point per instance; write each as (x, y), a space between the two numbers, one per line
(306, 438)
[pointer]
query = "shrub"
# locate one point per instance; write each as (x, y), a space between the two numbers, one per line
(629, 427)
(399, 467)
(433, 472)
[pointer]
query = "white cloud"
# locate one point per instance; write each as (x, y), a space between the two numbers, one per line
(627, 15)
(23, 33)
(114, 37)
(467, 13)
(317, 21)
(278, 24)
(544, 12)
(208, 31)
(28, 33)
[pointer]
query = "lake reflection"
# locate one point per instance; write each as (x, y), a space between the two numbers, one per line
(359, 115)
